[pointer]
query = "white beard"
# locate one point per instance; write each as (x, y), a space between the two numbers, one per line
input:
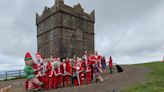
(77, 67)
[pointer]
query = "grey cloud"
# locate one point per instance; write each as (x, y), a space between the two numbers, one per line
(129, 30)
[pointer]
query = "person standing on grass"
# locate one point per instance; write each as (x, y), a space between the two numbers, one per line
(29, 74)
(66, 67)
(95, 61)
(61, 72)
(110, 64)
(77, 74)
(46, 66)
(87, 68)
(53, 73)
(38, 69)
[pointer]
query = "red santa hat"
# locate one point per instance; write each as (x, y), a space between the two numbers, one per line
(54, 59)
(96, 52)
(58, 59)
(28, 56)
(85, 52)
(38, 56)
(45, 60)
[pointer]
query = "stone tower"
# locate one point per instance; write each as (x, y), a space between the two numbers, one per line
(64, 31)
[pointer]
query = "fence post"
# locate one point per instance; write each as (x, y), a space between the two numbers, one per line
(19, 74)
(6, 75)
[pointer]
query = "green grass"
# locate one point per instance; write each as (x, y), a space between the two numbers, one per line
(14, 78)
(155, 81)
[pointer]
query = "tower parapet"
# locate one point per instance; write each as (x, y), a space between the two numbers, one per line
(78, 8)
(59, 2)
(59, 6)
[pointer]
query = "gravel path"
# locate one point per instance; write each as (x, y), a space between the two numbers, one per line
(113, 83)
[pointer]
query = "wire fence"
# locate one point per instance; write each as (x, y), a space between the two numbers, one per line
(12, 74)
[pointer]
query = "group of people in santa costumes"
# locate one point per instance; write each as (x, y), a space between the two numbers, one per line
(53, 73)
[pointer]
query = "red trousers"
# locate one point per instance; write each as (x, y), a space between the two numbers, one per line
(75, 81)
(53, 82)
(88, 77)
(60, 80)
(26, 85)
(45, 82)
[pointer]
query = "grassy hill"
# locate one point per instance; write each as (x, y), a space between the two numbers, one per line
(155, 82)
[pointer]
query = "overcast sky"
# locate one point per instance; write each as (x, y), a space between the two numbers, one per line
(132, 31)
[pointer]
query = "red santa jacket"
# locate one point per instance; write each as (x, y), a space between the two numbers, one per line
(54, 69)
(47, 68)
(88, 69)
(67, 68)
(35, 68)
(110, 63)
(95, 59)
(83, 64)
(61, 69)
(75, 62)
(87, 59)
(78, 69)
(38, 69)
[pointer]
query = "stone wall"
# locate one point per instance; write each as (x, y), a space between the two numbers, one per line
(64, 31)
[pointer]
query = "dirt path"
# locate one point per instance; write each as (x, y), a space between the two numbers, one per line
(116, 82)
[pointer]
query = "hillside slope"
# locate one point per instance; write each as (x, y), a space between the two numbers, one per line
(155, 81)
(132, 75)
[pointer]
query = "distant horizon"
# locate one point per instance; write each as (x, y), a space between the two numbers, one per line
(15, 69)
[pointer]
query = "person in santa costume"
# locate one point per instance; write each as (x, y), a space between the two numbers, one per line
(110, 64)
(29, 73)
(61, 72)
(95, 61)
(86, 59)
(38, 69)
(87, 68)
(66, 67)
(46, 68)
(53, 73)
(70, 72)
(83, 65)
(75, 61)
(77, 74)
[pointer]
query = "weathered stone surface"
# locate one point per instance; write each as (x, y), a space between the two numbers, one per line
(65, 31)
